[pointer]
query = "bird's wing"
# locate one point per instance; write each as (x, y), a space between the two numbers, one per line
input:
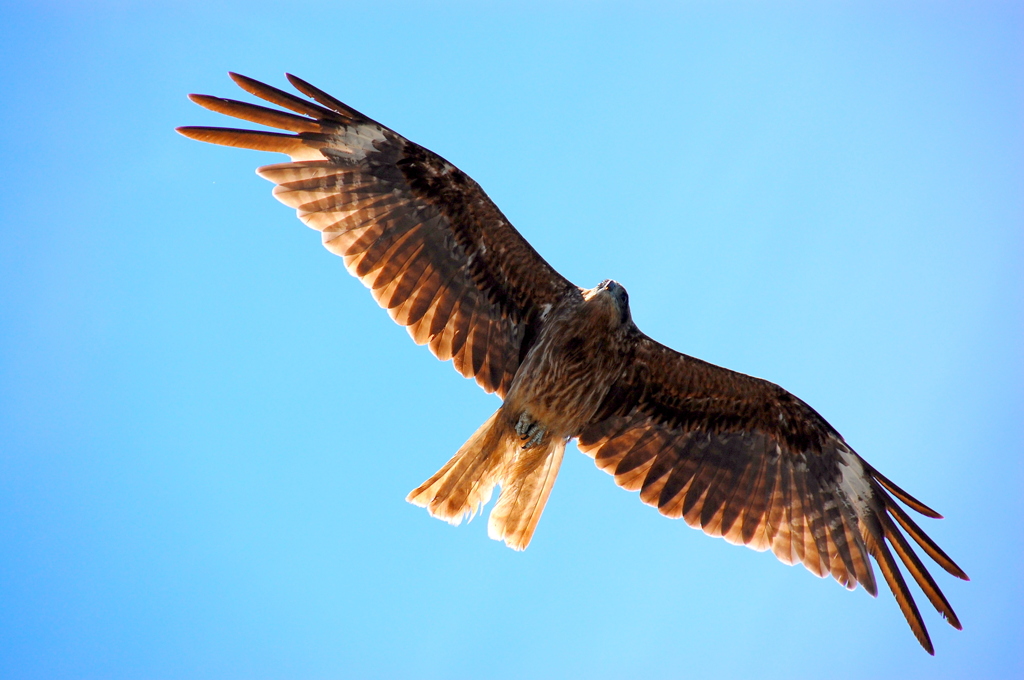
(422, 235)
(742, 458)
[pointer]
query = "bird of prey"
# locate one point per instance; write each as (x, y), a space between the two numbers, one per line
(733, 455)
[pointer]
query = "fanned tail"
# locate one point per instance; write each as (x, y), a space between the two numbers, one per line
(494, 455)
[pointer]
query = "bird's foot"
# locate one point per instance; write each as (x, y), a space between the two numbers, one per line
(530, 431)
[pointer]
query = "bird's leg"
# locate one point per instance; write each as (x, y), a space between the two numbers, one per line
(530, 431)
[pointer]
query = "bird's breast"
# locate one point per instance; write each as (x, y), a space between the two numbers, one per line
(566, 374)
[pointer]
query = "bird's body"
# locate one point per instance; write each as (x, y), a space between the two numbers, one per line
(736, 456)
(558, 388)
(578, 355)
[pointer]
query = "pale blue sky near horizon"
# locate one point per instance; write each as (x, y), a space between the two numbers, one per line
(208, 428)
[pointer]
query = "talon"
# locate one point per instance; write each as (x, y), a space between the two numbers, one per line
(523, 426)
(530, 431)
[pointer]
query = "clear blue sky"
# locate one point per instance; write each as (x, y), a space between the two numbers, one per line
(207, 428)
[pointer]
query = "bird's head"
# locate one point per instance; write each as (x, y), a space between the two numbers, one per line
(612, 293)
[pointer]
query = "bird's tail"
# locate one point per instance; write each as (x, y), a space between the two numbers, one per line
(524, 493)
(465, 483)
(494, 456)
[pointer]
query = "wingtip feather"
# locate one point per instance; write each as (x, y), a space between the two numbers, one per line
(332, 103)
(919, 573)
(900, 591)
(922, 539)
(903, 495)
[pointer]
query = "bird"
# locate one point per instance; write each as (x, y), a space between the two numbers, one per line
(733, 455)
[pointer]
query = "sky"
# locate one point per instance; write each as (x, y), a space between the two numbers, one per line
(208, 428)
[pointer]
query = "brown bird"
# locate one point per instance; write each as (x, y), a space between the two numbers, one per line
(736, 456)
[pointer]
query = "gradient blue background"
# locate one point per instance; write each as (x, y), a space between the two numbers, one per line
(207, 428)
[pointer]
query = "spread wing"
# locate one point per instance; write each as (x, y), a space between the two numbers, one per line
(417, 231)
(742, 458)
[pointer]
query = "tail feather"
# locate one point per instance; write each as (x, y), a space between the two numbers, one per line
(465, 483)
(515, 517)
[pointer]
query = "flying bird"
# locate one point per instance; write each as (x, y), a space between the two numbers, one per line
(733, 455)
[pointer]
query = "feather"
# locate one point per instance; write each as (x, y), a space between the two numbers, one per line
(922, 539)
(282, 98)
(257, 114)
(876, 544)
(293, 145)
(920, 574)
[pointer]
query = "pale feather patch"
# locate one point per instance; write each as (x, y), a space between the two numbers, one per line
(307, 155)
(854, 483)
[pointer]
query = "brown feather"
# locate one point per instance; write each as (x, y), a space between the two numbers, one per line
(815, 543)
(780, 527)
(246, 139)
(282, 98)
(860, 551)
(614, 446)
(333, 203)
(303, 172)
(394, 260)
(720, 488)
(842, 565)
(394, 233)
(418, 299)
(633, 468)
(461, 327)
(642, 451)
(327, 100)
(476, 345)
(442, 326)
(433, 295)
(918, 571)
(923, 540)
(448, 300)
(762, 533)
(655, 479)
(495, 364)
(904, 496)
(753, 519)
(666, 462)
(737, 499)
(876, 544)
(686, 460)
(256, 114)
(405, 283)
(519, 507)
(698, 486)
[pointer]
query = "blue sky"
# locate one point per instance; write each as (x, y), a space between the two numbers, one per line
(207, 428)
